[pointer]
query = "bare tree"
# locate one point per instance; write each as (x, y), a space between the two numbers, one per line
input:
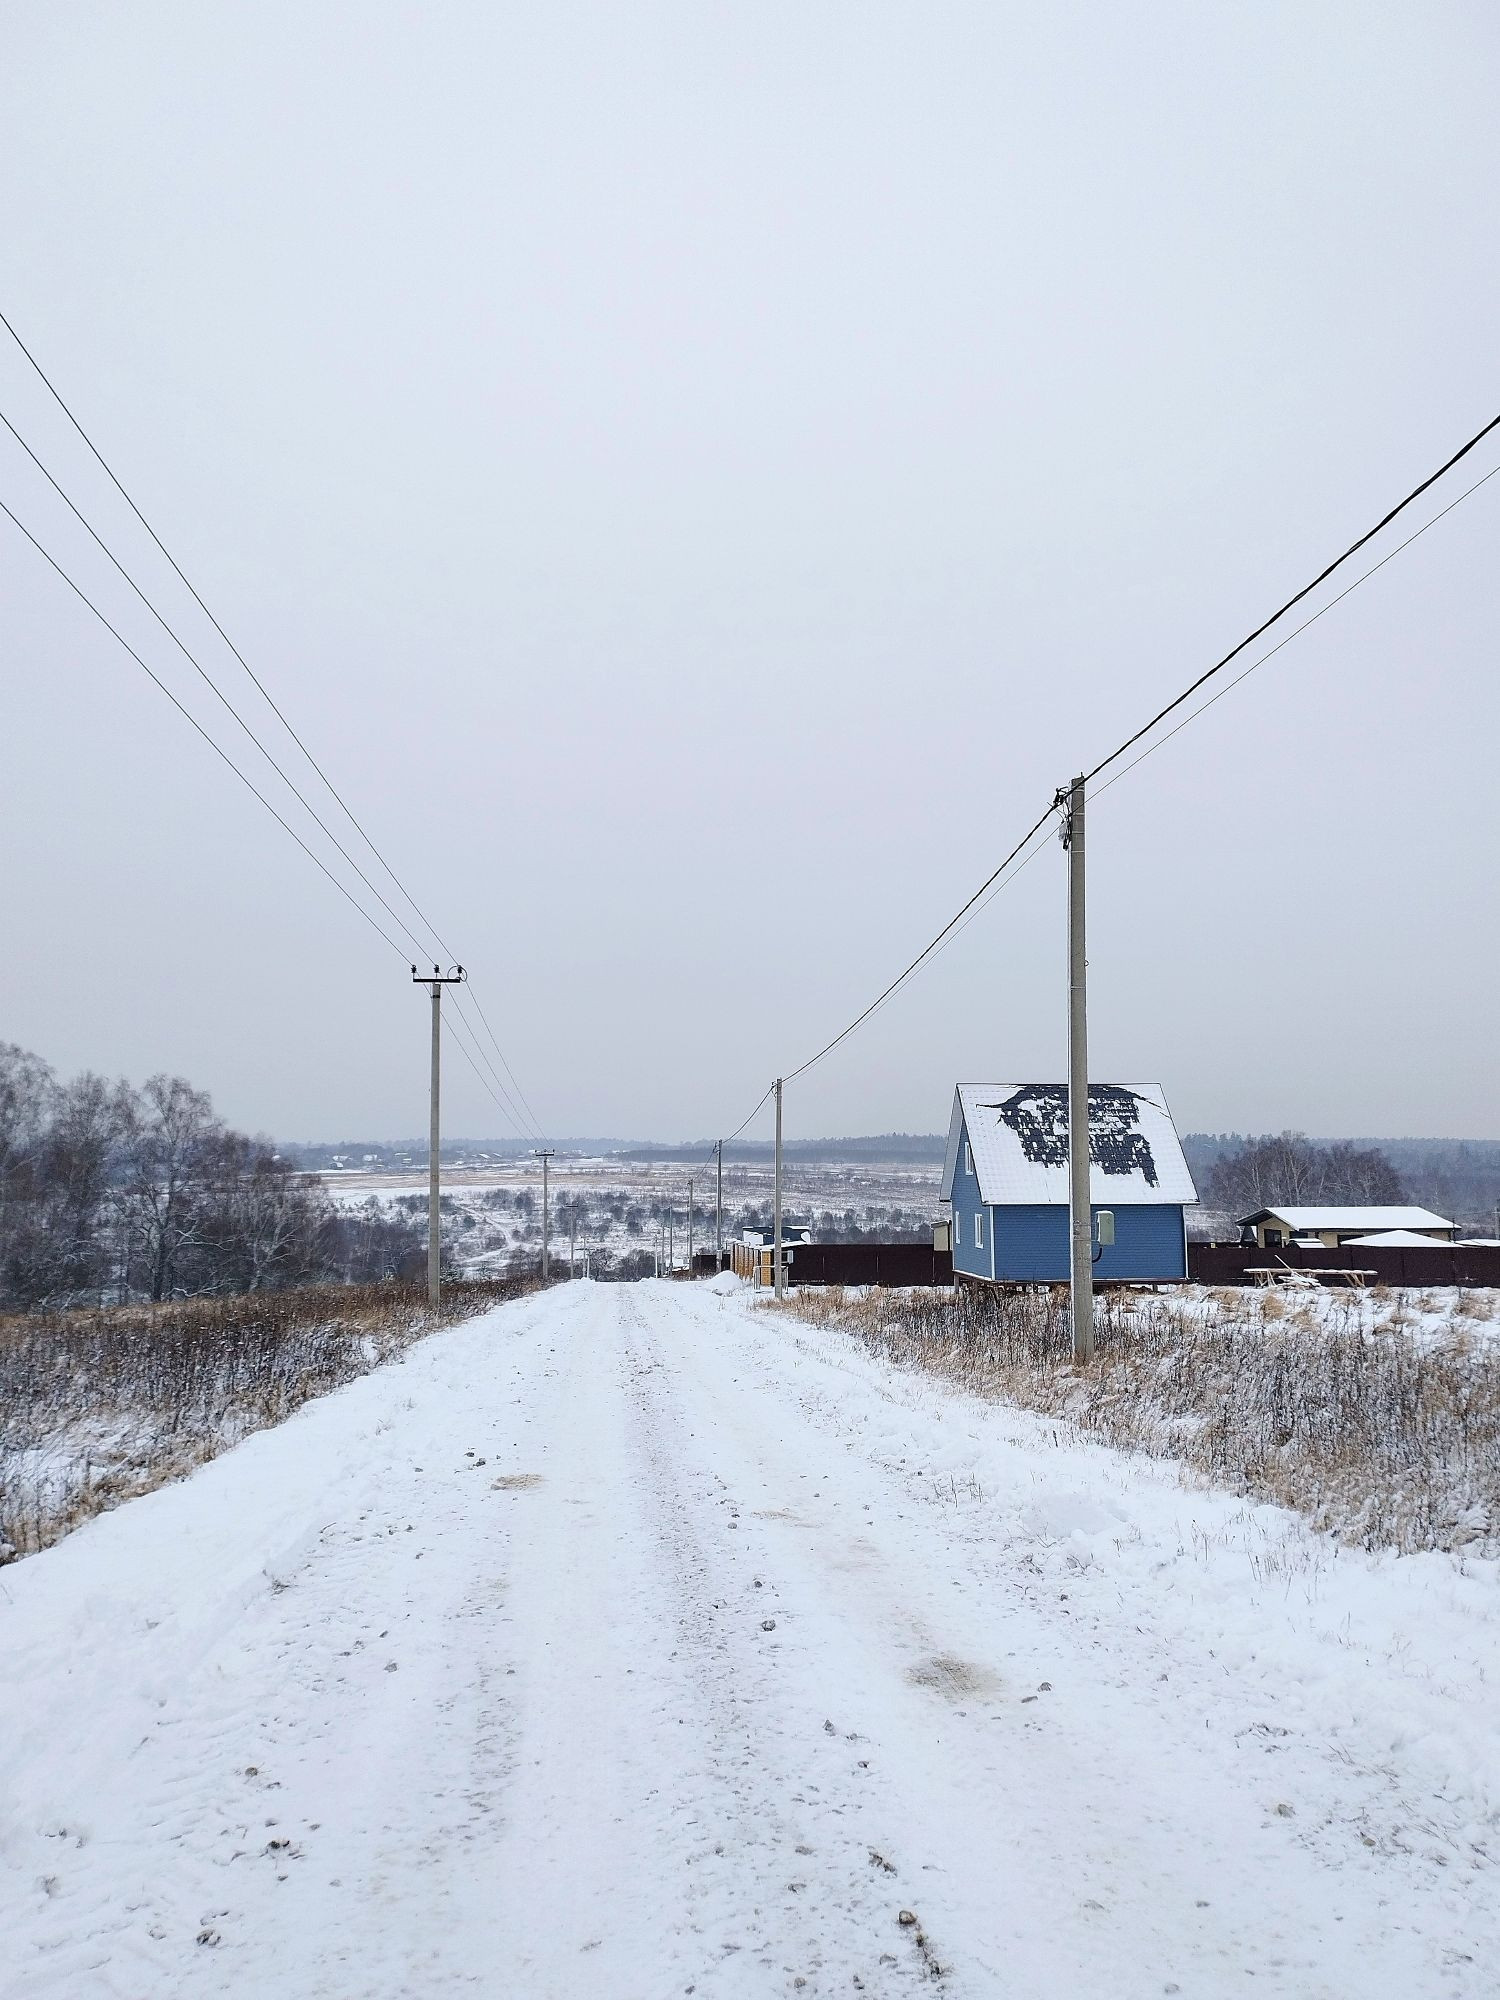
(170, 1131)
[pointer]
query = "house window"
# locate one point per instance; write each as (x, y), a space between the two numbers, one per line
(968, 1161)
(979, 1229)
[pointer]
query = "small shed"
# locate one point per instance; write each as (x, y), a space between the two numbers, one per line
(1274, 1228)
(754, 1254)
(1006, 1178)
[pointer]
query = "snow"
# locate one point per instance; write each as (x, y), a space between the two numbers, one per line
(1310, 1220)
(637, 1640)
(1393, 1239)
(1018, 1135)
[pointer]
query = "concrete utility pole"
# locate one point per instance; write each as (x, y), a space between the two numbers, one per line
(544, 1156)
(778, 1266)
(671, 1241)
(438, 979)
(719, 1212)
(572, 1243)
(690, 1226)
(1080, 1211)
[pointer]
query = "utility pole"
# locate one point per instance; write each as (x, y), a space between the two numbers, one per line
(719, 1211)
(671, 1242)
(454, 976)
(690, 1226)
(572, 1243)
(544, 1155)
(778, 1266)
(1080, 1211)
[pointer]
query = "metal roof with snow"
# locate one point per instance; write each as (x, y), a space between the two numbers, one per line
(1395, 1239)
(1366, 1220)
(1018, 1136)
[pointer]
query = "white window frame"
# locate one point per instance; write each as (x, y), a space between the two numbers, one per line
(979, 1229)
(968, 1159)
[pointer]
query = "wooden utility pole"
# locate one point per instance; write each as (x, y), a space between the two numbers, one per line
(778, 1267)
(437, 980)
(719, 1211)
(1080, 1211)
(544, 1156)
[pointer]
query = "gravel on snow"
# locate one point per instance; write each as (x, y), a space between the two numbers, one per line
(634, 1641)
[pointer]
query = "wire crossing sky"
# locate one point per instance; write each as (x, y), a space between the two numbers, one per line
(695, 485)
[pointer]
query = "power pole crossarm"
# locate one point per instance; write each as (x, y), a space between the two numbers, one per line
(437, 980)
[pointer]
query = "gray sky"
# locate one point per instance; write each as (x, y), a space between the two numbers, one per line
(701, 477)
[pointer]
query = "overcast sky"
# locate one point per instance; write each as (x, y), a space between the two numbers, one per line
(700, 477)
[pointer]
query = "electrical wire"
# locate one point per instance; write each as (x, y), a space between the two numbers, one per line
(462, 1043)
(1246, 672)
(217, 748)
(522, 1129)
(208, 680)
(991, 887)
(535, 1124)
(1306, 590)
(926, 952)
(259, 685)
(732, 1136)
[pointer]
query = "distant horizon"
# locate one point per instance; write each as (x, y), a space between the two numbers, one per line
(595, 1143)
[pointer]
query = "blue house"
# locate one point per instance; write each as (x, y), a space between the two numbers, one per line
(1006, 1178)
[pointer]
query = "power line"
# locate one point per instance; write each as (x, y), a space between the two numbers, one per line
(536, 1126)
(462, 1046)
(217, 748)
(1245, 674)
(729, 1137)
(924, 954)
(209, 681)
(256, 681)
(985, 893)
(522, 1129)
(1322, 577)
(260, 686)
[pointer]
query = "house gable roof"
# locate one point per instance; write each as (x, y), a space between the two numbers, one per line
(1365, 1220)
(1018, 1135)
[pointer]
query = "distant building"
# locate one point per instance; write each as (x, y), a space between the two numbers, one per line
(1006, 1179)
(1327, 1228)
(754, 1255)
(791, 1232)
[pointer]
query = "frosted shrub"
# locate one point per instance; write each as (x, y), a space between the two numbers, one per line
(98, 1406)
(1383, 1441)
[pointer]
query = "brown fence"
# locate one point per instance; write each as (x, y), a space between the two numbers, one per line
(1439, 1264)
(869, 1264)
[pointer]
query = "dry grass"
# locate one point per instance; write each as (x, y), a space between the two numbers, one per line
(98, 1406)
(1386, 1442)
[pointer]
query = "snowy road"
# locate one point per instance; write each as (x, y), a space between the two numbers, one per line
(634, 1642)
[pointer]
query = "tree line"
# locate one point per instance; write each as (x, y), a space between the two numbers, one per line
(1289, 1170)
(111, 1193)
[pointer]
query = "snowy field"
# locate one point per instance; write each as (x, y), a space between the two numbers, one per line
(618, 1207)
(634, 1641)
